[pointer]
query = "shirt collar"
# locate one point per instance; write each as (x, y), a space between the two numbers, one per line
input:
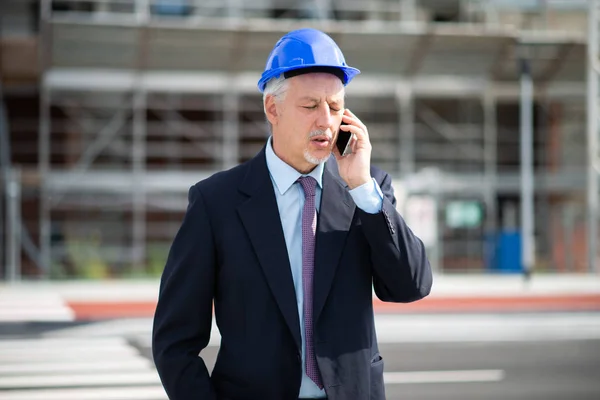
(285, 175)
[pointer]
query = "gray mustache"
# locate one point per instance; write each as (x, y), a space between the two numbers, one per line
(320, 133)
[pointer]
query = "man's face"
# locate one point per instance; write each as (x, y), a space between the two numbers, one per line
(307, 120)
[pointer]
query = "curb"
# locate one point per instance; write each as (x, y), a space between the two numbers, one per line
(556, 303)
(97, 310)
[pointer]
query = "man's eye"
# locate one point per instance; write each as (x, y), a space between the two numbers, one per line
(310, 107)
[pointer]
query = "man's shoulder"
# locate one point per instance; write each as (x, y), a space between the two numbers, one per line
(222, 181)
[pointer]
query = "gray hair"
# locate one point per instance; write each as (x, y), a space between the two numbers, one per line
(276, 87)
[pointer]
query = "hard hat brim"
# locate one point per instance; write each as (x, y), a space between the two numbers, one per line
(349, 73)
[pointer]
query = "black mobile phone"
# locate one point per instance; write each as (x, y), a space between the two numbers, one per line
(343, 141)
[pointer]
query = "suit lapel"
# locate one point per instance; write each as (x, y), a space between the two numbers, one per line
(335, 218)
(260, 217)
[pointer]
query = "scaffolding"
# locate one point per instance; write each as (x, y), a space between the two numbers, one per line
(140, 99)
(593, 69)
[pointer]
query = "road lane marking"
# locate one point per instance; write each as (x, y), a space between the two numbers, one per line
(122, 393)
(67, 354)
(406, 328)
(110, 328)
(60, 350)
(462, 376)
(72, 380)
(486, 328)
(60, 342)
(56, 368)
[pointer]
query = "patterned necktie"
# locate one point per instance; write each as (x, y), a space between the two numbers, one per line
(309, 227)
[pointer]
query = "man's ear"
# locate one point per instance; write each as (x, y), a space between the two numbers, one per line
(271, 109)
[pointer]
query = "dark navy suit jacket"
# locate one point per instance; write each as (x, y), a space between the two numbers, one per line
(231, 250)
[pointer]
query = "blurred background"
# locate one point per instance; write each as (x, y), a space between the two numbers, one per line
(113, 108)
(485, 112)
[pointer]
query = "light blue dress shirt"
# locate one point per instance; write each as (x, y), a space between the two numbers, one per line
(290, 201)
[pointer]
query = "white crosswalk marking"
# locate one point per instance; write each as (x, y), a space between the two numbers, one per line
(106, 368)
(133, 364)
(126, 393)
(96, 361)
(468, 376)
(61, 343)
(19, 304)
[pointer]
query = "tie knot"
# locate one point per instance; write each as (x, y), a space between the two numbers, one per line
(309, 184)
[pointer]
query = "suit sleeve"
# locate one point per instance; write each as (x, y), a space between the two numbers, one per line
(183, 317)
(401, 270)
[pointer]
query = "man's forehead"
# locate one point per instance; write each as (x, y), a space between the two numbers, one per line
(319, 93)
(336, 98)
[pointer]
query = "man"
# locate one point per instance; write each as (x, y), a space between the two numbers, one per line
(289, 247)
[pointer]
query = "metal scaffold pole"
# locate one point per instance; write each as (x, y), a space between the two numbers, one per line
(527, 183)
(138, 178)
(44, 130)
(13, 226)
(490, 131)
(592, 134)
(231, 129)
(406, 139)
(139, 143)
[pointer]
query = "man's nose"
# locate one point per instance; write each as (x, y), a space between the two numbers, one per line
(324, 120)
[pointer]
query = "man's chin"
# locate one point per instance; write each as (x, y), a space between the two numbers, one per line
(317, 158)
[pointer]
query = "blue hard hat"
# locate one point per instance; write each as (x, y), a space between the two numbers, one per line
(308, 49)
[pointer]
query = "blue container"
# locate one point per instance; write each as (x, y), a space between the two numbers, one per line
(508, 252)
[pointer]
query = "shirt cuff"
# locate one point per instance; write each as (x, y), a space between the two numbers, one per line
(368, 197)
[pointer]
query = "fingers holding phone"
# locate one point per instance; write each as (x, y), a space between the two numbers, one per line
(352, 135)
(353, 151)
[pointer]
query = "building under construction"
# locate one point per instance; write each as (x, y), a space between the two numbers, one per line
(112, 109)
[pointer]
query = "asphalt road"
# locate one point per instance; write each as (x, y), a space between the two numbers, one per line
(514, 370)
(529, 371)
(112, 357)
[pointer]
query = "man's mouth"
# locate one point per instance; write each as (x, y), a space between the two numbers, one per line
(321, 139)
(321, 142)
